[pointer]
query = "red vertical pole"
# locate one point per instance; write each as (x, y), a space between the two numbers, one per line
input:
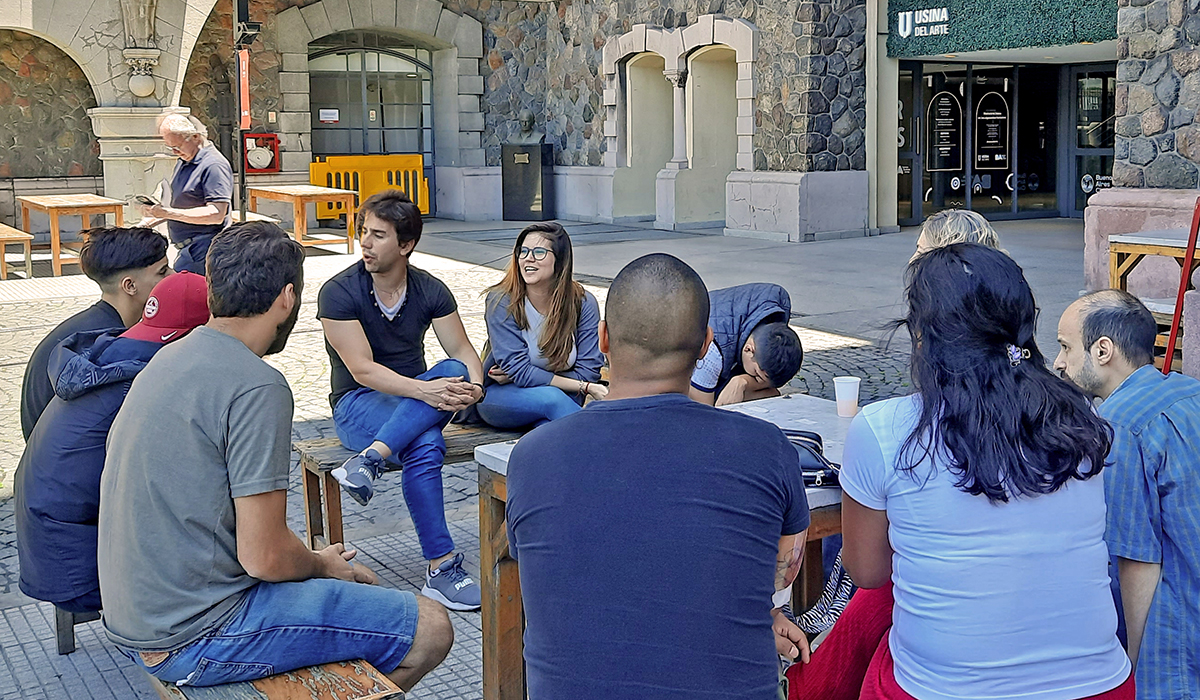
(1185, 278)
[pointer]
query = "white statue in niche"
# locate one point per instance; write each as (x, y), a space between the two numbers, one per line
(528, 136)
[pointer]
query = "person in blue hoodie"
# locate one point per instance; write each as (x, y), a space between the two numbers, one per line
(753, 352)
(57, 484)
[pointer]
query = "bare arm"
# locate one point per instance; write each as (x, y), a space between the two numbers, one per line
(453, 338)
(789, 559)
(790, 640)
(743, 387)
(707, 398)
(866, 551)
(269, 551)
(350, 342)
(210, 213)
(1139, 581)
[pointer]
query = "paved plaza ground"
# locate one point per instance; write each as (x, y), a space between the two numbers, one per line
(843, 293)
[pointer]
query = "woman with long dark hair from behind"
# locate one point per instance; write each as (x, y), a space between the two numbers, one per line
(543, 329)
(977, 504)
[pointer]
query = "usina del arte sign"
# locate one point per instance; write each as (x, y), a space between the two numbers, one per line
(929, 22)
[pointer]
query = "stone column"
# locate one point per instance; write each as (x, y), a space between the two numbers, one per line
(131, 151)
(1158, 95)
(1156, 166)
(678, 78)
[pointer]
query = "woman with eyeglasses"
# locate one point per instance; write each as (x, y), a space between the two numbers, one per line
(543, 330)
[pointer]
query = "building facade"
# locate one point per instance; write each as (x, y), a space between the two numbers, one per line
(779, 119)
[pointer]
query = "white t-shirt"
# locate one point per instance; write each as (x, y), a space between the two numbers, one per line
(531, 335)
(1007, 600)
(707, 374)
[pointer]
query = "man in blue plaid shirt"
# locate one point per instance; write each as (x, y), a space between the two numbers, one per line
(1152, 484)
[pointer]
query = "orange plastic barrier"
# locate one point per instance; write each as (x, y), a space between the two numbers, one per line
(368, 175)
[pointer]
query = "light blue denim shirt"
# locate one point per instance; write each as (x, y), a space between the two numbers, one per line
(1152, 485)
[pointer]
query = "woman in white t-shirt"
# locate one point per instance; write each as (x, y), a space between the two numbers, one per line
(980, 501)
(543, 330)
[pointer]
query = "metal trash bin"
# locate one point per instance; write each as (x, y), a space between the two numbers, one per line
(527, 180)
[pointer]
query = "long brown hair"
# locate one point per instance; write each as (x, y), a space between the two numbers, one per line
(557, 338)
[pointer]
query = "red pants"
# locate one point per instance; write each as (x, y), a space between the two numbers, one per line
(855, 662)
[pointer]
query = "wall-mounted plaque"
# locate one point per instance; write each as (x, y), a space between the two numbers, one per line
(944, 135)
(992, 133)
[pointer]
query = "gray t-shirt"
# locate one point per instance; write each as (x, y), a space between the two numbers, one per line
(206, 421)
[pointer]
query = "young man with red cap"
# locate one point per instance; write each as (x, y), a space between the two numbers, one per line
(57, 485)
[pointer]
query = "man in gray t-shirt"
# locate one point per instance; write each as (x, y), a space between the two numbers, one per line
(198, 570)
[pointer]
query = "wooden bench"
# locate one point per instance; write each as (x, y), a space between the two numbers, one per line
(11, 236)
(343, 680)
(323, 494)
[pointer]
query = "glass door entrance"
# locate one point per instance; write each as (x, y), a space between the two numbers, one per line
(1093, 115)
(980, 137)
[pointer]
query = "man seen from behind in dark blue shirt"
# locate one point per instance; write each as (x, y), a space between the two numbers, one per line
(653, 530)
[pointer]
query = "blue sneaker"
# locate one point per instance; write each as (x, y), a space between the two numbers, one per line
(357, 475)
(451, 586)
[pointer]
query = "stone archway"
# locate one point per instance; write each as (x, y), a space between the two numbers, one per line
(457, 45)
(45, 95)
(648, 132)
(675, 46)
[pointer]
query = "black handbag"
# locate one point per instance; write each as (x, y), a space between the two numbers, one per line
(815, 468)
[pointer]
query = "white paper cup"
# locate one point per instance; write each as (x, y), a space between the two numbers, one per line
(845, 389)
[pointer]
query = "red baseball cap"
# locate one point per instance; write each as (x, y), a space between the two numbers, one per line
(177, 304)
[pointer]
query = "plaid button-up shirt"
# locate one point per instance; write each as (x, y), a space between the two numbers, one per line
(1152, 485)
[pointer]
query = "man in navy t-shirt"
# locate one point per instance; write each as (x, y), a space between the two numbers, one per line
(387, 406)
(653, 530)
(201, 192)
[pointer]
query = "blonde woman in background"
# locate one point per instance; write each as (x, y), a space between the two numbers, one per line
(955, 226)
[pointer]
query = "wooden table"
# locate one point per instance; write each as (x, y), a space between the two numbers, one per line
(502, 614)
(1127, 251)
(81, 205)
(300, 196)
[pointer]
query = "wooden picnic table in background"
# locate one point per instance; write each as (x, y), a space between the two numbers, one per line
(300, 196)
(82, 205)
(502, 614)
(1127, 251)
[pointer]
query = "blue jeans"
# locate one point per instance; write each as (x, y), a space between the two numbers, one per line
(412, 430)
(510, 406)
(279, 627)
(192, 258)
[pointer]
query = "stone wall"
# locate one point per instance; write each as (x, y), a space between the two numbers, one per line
(811, 100)
(514, 70)
(1158, 94)
(212, 69)
(44, 97)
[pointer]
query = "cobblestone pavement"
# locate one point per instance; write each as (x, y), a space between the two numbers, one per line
(383, 532)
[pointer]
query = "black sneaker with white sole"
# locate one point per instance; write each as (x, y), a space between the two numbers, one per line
(451, 586)
(357, 475)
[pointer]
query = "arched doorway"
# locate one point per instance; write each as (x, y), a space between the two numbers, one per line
(370, 93)
(648, 130)
(711, 136)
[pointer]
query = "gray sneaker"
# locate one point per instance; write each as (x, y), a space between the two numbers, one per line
(451, 586)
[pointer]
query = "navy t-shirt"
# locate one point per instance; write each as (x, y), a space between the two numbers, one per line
(647, 530)
(398, 344)
(207, 178)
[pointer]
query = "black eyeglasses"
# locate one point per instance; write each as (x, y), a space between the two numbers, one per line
(537, 253)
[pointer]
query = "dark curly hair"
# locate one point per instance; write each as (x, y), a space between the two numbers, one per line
(1004, 430)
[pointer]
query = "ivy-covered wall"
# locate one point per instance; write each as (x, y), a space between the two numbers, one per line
(976, 25)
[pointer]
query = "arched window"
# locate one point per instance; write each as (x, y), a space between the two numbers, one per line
(370, 93)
